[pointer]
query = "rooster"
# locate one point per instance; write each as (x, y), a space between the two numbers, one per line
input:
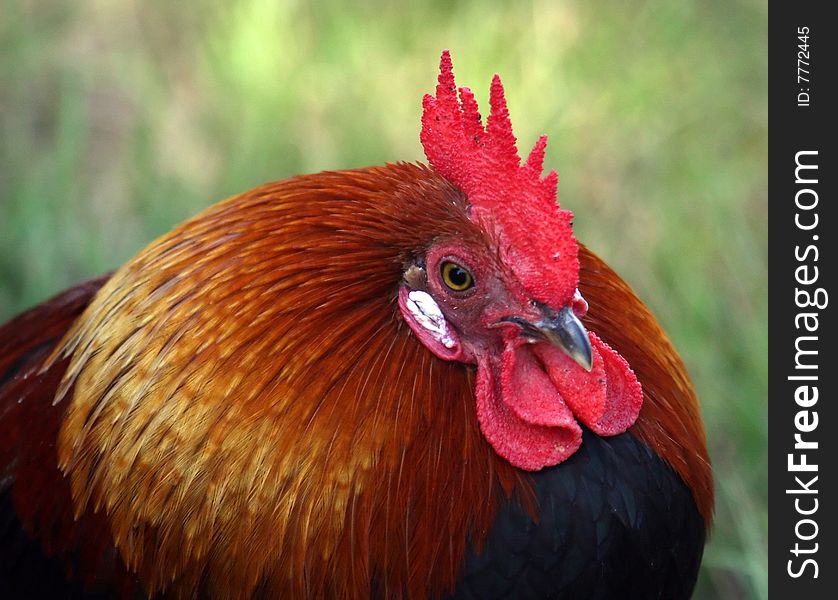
(404, 381)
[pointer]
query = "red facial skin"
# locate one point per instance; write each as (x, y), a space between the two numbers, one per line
(472, 315)
(529, 393)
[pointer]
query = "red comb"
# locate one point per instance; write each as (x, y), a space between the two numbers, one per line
(511, 199)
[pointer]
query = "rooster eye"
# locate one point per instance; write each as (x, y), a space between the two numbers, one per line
(456, 277)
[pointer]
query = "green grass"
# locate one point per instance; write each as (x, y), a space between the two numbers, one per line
(119, 119)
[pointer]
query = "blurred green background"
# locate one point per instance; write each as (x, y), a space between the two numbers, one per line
(120, 118)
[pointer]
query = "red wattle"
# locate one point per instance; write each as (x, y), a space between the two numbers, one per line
(521, 413)
(607, 399)
(530, 396)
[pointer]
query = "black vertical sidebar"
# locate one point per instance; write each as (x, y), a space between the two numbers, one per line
(803, 420)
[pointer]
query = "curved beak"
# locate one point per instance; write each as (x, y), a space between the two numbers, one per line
(565, 331)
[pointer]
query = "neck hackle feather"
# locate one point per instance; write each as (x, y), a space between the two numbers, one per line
(246, 382)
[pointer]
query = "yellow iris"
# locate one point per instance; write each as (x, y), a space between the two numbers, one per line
(456, 277)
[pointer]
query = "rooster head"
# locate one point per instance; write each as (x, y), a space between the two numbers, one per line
(509, 302)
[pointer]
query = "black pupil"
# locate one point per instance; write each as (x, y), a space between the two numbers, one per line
(458, 276)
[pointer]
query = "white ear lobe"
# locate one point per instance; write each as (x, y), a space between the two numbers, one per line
(428, 315)
(424, 316)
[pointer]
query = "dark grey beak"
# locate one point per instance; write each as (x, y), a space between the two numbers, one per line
(564, 330)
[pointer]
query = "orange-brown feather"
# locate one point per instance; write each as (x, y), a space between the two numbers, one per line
(251, 412)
